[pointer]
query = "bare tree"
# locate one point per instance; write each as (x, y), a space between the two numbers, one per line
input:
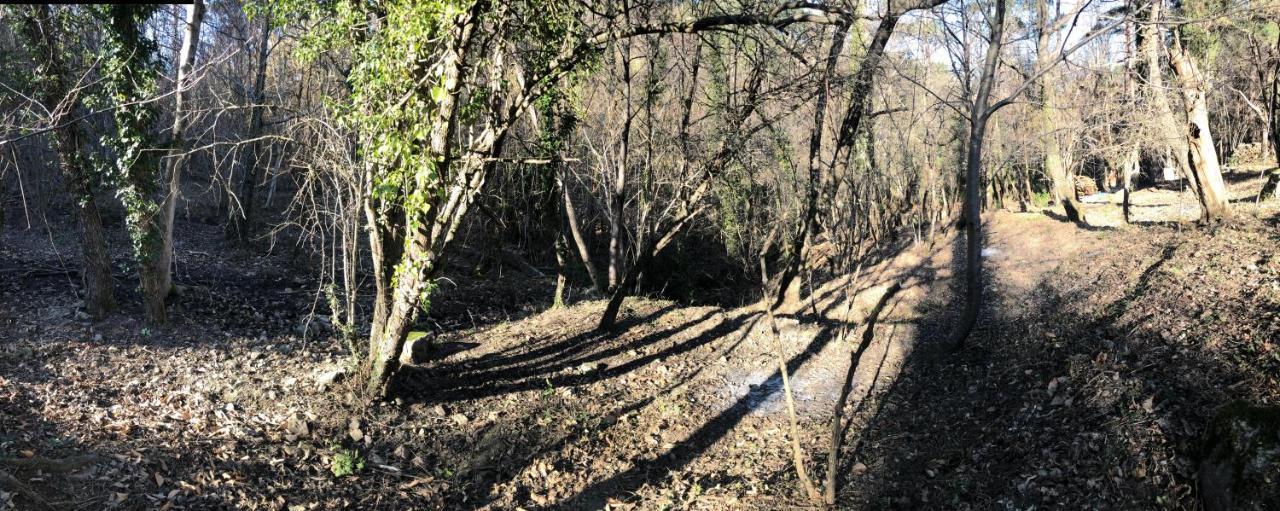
(1202, 155)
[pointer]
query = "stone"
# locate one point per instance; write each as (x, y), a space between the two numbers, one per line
(296, 426)
(354, 431)
(858, 468)
(330, 377)
(1241, 459)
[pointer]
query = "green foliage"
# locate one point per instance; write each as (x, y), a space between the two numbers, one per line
(281, 12)
(1202, 40)
(346, 462)
(129, 70)
(549, 391)
(398, 90)
(1040, 199)
(15, 68)
(416, 84)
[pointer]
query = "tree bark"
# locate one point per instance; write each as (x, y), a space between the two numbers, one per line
(403, 277)
(617, 193)
(1129, 166)
(1203, 157)
(863, 81)
(1064, 190)
(978, 116)
(243, 224)
(1172, 137)
(155, 272)
(562, 277)
(579, 242)
(1273, 106)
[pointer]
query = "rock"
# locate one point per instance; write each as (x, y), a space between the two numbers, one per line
(296, 427)
(459, 419)
(422, 347)
(55, 313)
(858, 468)
(353, 430)
(1085, 185)
(417, 348)
(1241, 459)
(313, 326)
(330, 377)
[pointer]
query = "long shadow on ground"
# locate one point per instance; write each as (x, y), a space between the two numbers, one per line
(1055, 404)
(697, 443)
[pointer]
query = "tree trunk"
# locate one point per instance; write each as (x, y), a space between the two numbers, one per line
(557, 300)
(808, 222)
(407, 252)
(155, 272)
(579, 242)
(863, 81)
(99, 286)
(1205, 170)
(1273, 107)
(978, 116)
(1130, 165)
(243, 226)
(1172, 136)
(1063, 188)
(99, 296)
(617, 194)
(402, 295)
(654, 245)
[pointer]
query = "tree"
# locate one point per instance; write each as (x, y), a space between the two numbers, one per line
(1064, 189)
(980, 111)
(472, 72)
(242, 225)
(60, 96)
(130, 72)
(850, 126)
(1202, 155)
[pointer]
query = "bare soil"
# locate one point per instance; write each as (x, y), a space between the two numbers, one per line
(1098, 359)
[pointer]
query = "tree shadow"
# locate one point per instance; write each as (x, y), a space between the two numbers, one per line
(716, 428)
(568, 363)
(685, 451)
(1083, 225)
(1029, 415)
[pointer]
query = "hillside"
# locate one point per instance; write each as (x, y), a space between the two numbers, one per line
(1098, 362)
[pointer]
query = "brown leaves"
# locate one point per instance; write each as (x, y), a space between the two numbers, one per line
(296, 427)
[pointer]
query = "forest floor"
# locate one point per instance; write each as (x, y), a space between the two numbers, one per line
(1099, 358)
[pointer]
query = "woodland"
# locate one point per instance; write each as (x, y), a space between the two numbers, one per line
(640, 254)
